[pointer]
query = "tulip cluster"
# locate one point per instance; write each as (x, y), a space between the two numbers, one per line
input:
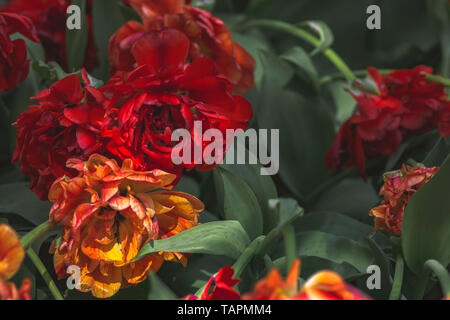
(102, 156)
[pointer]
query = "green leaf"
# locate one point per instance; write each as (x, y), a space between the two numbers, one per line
(204, 4)
(323, 31)
(426, 222)
(306, 69)
(239, 202)
(382, 261)
(352, 197)
(334, 248)
(306, 132)
(17, 198)
(159, 290)
(438, 154)
(339, 225)
(226, 238)
(76, 40)
(129, 13)
(107, 19)
(262, 186)
(344, 103)
(276, 71)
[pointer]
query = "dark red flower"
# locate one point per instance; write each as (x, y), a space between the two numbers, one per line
(408, 104)
(220, 287)
(49, 17)
(163, 95)
(209, 38)
(14, 65)
(65, 124)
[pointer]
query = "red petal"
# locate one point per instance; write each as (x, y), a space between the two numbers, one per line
(162, 49)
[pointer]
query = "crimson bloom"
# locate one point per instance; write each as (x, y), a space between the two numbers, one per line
(49, 17)
(209, 38)
(65, 123)
(398, 188)
(14, 65)
(408, 104)
(164, 94)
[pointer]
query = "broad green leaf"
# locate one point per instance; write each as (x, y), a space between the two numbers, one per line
(323, 31)
(76, 40)
(426, 222)
(262, 186)
(383, 262)
(438, 154)
(18, 199)
(226, 238)
(344, 103)
(305, 66)
(159, 290)
(107, 19)
(351, 197)
(334, 248)
(129, 13)
(306, 132)
(239, 202)
(339, 225)
(276, 71)
(204, 4)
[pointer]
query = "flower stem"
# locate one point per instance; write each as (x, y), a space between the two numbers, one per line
(306, 36)
(362, 73)
(289, 245)
(247, 256)
(396, 290)
(28, 239)
(441, 273)
(44, 273)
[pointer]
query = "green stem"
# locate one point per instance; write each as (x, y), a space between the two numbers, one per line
(396, 290)
(362, 73)
(306, 36)
(441, 273)
(289, 245)
(44, 273)
(28, 239)
(247, 256)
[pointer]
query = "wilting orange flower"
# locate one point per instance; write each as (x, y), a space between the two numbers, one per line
(325, 285)
(209, 38)
(11, 257)
(398, 188)
(108, 214)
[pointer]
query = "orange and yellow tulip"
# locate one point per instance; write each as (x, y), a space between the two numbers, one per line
(11, 257)
(108, 214)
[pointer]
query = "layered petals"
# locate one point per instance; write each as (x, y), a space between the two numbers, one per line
(108, 213)
(407, 105)
(66, 122)
(49, 18)
(209, 37)
(14, 65)
(398, 188)
(149, 104)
